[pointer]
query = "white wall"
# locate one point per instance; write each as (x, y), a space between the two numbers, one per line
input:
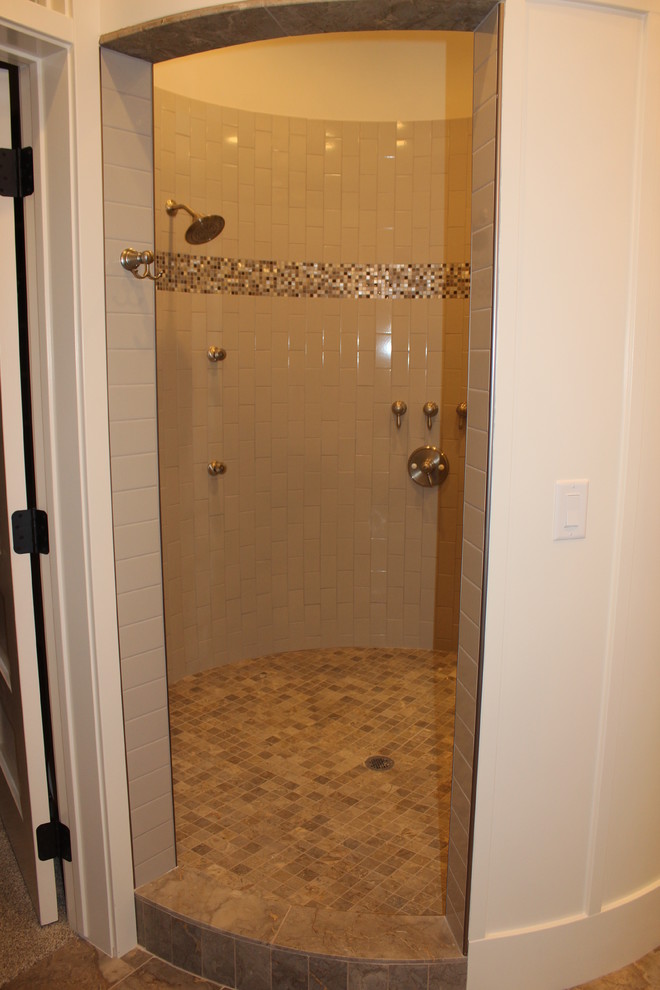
(392, 75)
(566, 869)
(119, 14)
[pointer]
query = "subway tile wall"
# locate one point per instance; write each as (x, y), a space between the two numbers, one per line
(315, 534)
(450, 496)
(485, 123)
(128, 193)
(312, 190)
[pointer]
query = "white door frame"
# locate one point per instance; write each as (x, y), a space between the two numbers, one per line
(67, 343)
(25, 793)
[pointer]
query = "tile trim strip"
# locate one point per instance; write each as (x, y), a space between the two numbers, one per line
(310, 279)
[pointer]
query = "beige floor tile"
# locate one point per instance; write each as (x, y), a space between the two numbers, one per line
(271, 789)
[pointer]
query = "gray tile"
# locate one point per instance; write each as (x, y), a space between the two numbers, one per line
(462, 772)
(475, 494)
(252, 966)
(458, 840)
(173, 37)
(479, 406)
(371, 15)
(443, 975)
(463, 740)
(408, 976)
(482, 290)
(481, 332)
(367, 976)
(483, 207)
(186, 946)
(485, 38)
(484, 124)
(482, 245)
(485, 81)
(327, 974)
(480, 368)
(483, 174)
(288, 970)
(157, 931)
(473, 525)
(460, 805)
(468, 650)
(456, 885)
(466, 706)
(139, 920)
(470, 599)
(467, 674)
(218, 957)
(455, 920)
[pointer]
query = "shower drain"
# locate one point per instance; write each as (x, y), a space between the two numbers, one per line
(379, 763)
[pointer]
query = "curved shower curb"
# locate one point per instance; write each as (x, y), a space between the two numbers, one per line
(241, 939)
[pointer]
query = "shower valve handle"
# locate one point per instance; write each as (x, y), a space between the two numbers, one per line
(430, 409)
(399, 408)
(428, 466)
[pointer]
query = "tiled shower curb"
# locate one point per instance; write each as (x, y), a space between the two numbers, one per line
(249, 964)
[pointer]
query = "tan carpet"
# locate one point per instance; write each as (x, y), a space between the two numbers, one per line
(23, 941)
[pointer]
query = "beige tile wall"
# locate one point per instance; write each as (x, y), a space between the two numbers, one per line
(315, 535)
(299, 190)
(485, 122)
(128, 190)
(450, 496)
(452, 428)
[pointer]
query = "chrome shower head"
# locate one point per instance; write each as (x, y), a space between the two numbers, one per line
(203, 228)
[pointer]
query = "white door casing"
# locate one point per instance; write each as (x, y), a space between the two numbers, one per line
(23, 786)
(58, 59)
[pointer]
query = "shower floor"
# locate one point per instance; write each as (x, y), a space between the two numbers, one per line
(270, 788)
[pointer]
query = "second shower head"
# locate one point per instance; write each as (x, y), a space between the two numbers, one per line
(203, 228)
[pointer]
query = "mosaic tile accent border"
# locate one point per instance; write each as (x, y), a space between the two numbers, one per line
(311, 279)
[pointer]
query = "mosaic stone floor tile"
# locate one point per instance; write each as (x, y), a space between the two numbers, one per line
(271, 790)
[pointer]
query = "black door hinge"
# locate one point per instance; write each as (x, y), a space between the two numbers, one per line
(30, 531)
(16, 172)
(54, 841)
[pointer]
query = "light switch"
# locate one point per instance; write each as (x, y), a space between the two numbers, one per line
(570, 510)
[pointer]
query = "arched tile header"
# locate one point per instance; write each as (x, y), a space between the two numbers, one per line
(238, 23)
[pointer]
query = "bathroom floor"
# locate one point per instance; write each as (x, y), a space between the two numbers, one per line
(271, 790)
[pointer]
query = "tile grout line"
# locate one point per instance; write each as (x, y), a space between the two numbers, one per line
(279, 929)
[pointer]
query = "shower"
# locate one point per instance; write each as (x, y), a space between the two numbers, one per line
(203, 228)
(313, 561)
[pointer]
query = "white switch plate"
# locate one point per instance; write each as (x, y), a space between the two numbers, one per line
(570, 510)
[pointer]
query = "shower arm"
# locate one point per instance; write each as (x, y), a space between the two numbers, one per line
(173, 208)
